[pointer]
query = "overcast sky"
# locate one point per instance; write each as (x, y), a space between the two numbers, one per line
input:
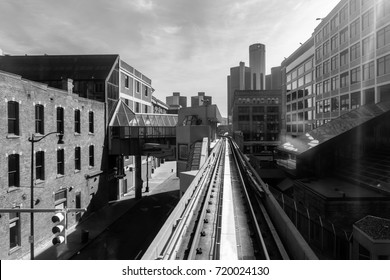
(182, 45)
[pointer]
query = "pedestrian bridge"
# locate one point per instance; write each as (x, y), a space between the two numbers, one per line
(129, 131)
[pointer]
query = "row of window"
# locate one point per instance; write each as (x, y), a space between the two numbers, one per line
(259, 118)
(301, 116)
(300, 105)
(257, 109)
(257, 100)
(367, 19)
(305, 67)
(361, 73)
(358, 49)
(129, 80)
(14, 119)
(299, 94)
(343, 103)
(14, 164)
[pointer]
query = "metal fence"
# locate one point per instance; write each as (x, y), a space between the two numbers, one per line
(328, 241)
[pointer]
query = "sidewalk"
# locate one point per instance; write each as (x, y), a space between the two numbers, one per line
(98, 221)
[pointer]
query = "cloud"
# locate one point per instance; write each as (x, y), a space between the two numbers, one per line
(182, 45)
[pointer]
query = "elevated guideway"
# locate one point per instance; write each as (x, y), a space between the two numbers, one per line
(228, 213)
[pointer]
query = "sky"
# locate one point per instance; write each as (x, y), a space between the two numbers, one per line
(185, 46)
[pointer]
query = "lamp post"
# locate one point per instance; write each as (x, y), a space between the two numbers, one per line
(33, 140)
(147, 173)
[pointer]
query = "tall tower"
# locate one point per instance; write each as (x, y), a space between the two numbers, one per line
(257, 66)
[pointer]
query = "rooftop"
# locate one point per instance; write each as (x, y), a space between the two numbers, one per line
(58, 67)
(334, 188)
(375, 227)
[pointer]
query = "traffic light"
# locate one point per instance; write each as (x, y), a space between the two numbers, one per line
(59, 228)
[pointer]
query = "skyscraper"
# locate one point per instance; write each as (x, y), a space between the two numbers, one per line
(257, 66)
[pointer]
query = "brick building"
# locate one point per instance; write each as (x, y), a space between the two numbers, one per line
(66, 175)
(257, 114)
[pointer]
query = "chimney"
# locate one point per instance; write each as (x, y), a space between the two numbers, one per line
(67, 84)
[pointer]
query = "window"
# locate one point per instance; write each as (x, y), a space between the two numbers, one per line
(343, 14)
(318, 71)
(318, 88)
(91, 122)
(343, 35)
(334, 22)
(60, 199)
(325, 48)
(39, 119)
(136, 107)
(137, 86)
(318, 37)
(344, 102)
(344, 80)
(60, 162)
(13, 117)
(40, 165)
(353, 6)
(318, 53)
(326, 67)
(355, 75)
(60, 120)
(368, 19)
(319, 107)
(383, 37)
(344, 57)
(77, 121)
(91, 155)
(326, 105)
(334, 104)
(77, 158)
(355, 28)
(308, 65)
(334, 42)
(383, 65)
(126, 81)
(308, 78)
(13, 171)
(355, 51)
(355, 100)
(368, 45)
(383, 9)
(334, 83)
(14, 230)
(146, 91)
(326, 86)
(368, 71)
(145, 108)
(325, 30)
(334, 63)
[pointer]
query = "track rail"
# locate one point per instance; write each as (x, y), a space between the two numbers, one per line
(208, 224)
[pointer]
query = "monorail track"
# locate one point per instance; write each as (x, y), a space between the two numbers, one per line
(220, 216)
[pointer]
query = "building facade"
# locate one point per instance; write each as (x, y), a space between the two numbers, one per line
(352, 57)
(65, 175)
(239, 79)
(136, 89)
(201, 100)
(298, 97)
(159, 107)
(257, 114)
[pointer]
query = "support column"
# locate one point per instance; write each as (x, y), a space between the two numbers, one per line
(138, 177)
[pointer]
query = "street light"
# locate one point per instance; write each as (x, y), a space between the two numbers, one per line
(33, 140)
